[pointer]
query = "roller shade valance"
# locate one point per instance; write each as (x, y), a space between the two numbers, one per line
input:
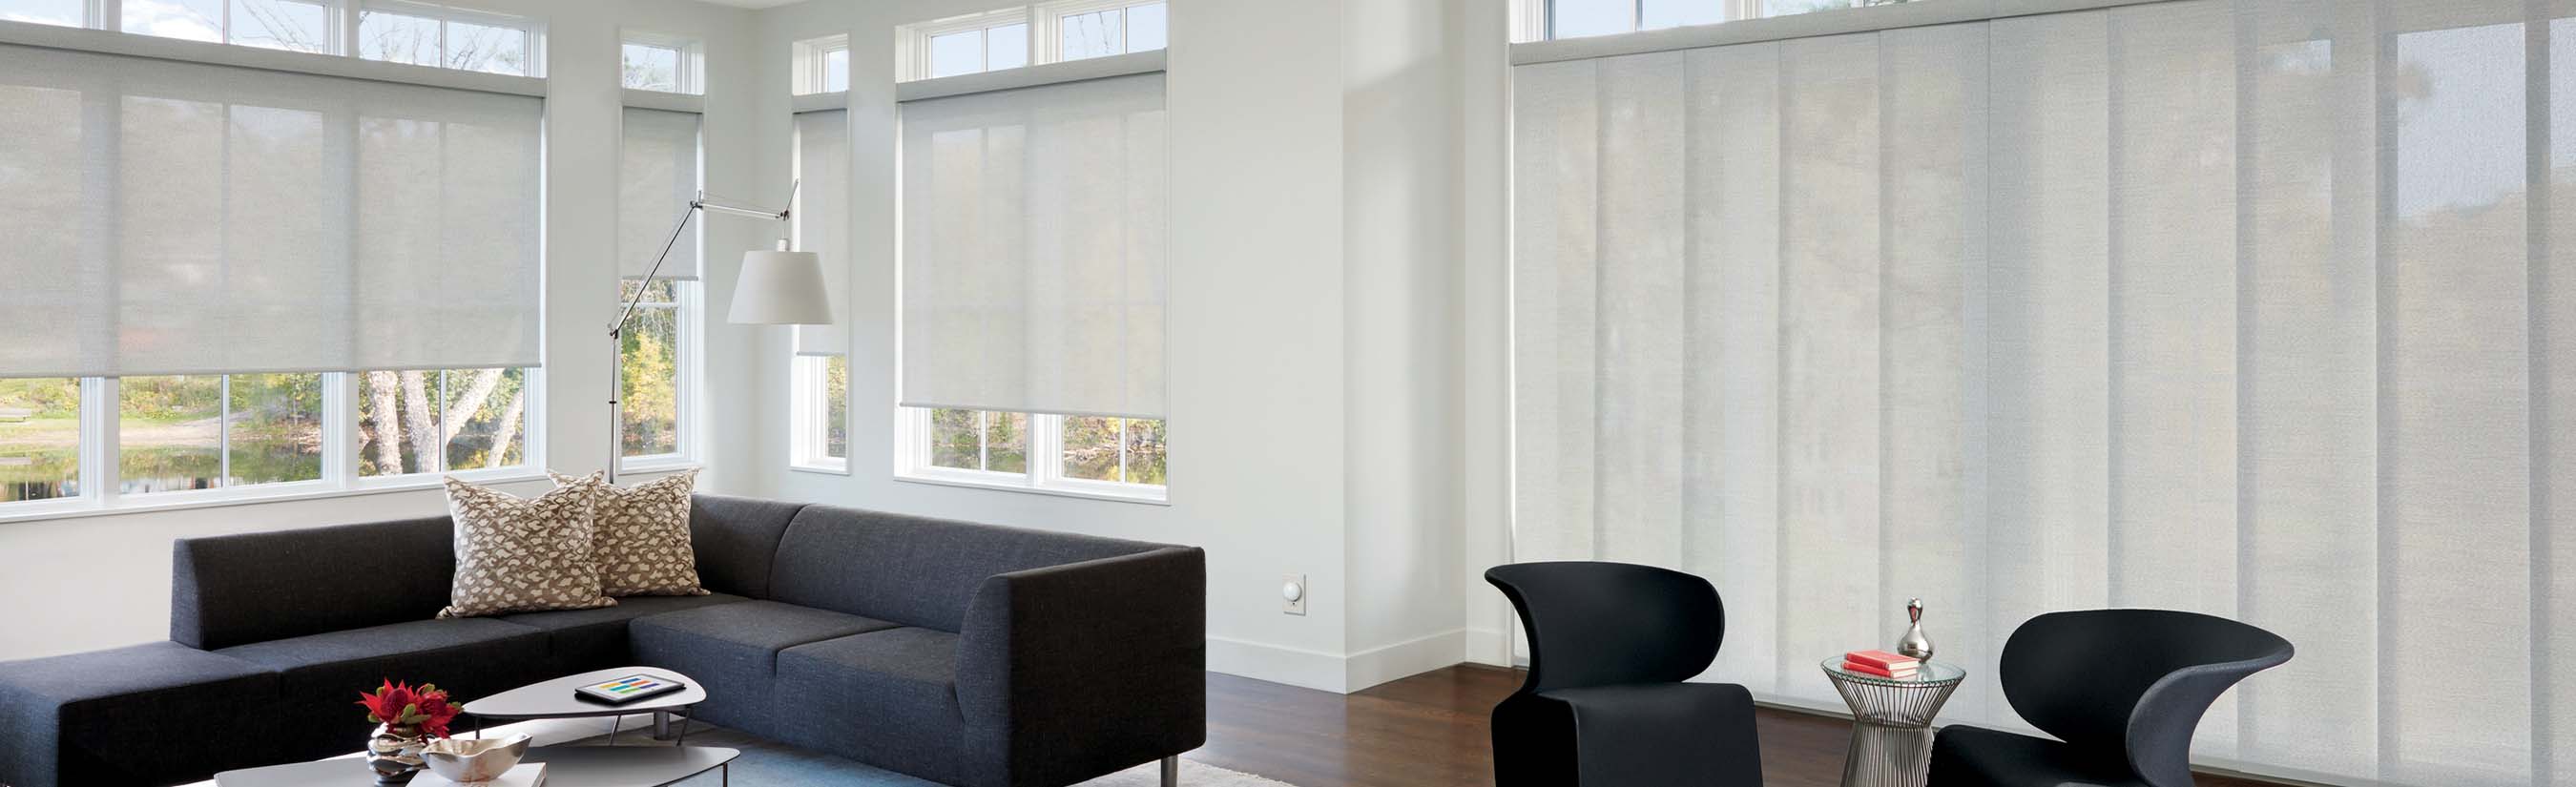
(657, 177)
(159, 217)
(1033, 243)
(823, 220)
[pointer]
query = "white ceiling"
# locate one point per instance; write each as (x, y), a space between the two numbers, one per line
(751, 3)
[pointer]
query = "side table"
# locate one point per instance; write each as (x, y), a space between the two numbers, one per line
(1891, 743)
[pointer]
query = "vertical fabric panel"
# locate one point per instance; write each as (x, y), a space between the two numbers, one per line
(823, 220)
(170, 218)
(657, 178)
(1735, 348)
(1558, 124)
(2048, 538)
(2554, 383)
(2309, 354)
(1933, 127)
(1030, 282)
(2455, 463)
(1639, 485)
(1829, 340)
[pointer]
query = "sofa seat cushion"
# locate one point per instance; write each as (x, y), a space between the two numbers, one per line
(581, 640)
(133, 715)
(1962, 754)
(469, 657)
(732, 650)
(889, 696)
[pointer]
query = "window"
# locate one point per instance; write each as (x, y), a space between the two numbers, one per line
(1019, 36)
(1081, 455)
(210, 431)
(293, 25)
(822, 415)
(1550, 19)
(660, 63)
(649, 357)
(441, 421)
(40, 439)
(429, 35)
(68, 13)
(822, 65)
(1100, 29)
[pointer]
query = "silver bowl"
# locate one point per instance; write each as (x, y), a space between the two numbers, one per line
(474, 760)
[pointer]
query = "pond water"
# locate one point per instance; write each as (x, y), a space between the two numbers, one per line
(46, 474)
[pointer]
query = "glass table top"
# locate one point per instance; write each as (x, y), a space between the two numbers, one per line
(1930, 674)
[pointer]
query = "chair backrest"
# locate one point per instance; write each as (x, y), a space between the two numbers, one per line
(1597, 624)
(2131, 681)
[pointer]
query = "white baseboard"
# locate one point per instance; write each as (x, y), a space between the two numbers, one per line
(1404, 659)
(1277, 664)
(1489, 647)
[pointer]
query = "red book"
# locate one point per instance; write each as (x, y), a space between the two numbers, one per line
(1854, 666)
(1880, 659)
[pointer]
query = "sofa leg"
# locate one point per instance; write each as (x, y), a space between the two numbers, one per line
(1171, 771)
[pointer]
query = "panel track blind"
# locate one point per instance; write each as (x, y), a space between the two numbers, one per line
(168, 218)
(823, 220)
(1033, 272)
(657, 178)
(2265, 309)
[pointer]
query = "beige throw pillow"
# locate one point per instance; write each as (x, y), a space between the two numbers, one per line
(522, 555)
(641, 536)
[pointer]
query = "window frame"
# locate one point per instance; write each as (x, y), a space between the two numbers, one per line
(687, 311)
(912, 462)
(446, 15)
(809, 416)
(912, 42)
(100, 447)
(688, 73)
(1046, 33)
(1535, 20)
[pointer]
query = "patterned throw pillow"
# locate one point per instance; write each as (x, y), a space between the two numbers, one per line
(642, 537)
(522, 555)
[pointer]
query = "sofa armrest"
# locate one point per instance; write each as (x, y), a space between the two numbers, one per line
(1068, 672)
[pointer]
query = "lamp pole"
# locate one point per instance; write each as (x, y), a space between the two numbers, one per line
(617, 330)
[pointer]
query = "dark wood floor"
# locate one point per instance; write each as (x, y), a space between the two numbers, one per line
(1429, 731)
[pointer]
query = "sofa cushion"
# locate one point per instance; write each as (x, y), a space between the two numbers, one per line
(518, 554)
(916, 571)
(732, 651)
(906, 677)
(735, 539)
(640, 536)
(469, 657)
(253, 587)
(133, 715)
(581, 640)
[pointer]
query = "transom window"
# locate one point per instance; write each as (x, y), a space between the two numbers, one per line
(822, 65)
(1553, 19)
(393, 31)
(660, 63)
(1082, 455)
(1024, 35)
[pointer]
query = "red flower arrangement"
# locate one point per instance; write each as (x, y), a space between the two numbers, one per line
(397, 704)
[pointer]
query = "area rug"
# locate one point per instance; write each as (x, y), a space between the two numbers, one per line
(767, 764)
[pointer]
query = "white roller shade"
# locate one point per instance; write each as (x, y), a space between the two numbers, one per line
(657, 177)
(823, 220)
(167, 218)
(1033, 272)
(2251, 308)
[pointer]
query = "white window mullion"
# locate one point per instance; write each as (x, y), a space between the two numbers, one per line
(224, 431)
(339, 428)
(98, 428)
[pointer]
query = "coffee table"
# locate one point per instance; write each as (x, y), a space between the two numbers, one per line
(566, 766)
(554, 699)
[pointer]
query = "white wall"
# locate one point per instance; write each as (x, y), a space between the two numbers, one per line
(91, 582)
(1313, 361)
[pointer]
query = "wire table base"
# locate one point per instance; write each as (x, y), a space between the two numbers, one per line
(1891, 743)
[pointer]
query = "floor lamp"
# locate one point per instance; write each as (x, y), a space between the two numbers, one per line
(781, 287)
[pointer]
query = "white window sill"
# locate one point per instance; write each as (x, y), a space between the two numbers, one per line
(253, 495)
(1147, 495)
(824, 467)
(664, 463)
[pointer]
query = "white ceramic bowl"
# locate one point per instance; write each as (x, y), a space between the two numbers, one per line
(474, 760)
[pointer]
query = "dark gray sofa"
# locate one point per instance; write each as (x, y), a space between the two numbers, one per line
(961, 653)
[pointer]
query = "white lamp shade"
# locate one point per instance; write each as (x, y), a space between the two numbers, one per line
(781, 288)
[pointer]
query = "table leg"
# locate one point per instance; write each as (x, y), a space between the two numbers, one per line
(661, 725)
(613, 723)
(683, 739)
(1883, 755)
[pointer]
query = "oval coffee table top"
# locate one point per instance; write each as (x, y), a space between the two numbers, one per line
(554, 699)
(566, 766)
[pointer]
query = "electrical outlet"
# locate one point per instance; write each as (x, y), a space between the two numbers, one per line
(1292, 591)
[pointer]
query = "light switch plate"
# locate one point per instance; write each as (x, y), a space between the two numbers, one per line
(1292, 593)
